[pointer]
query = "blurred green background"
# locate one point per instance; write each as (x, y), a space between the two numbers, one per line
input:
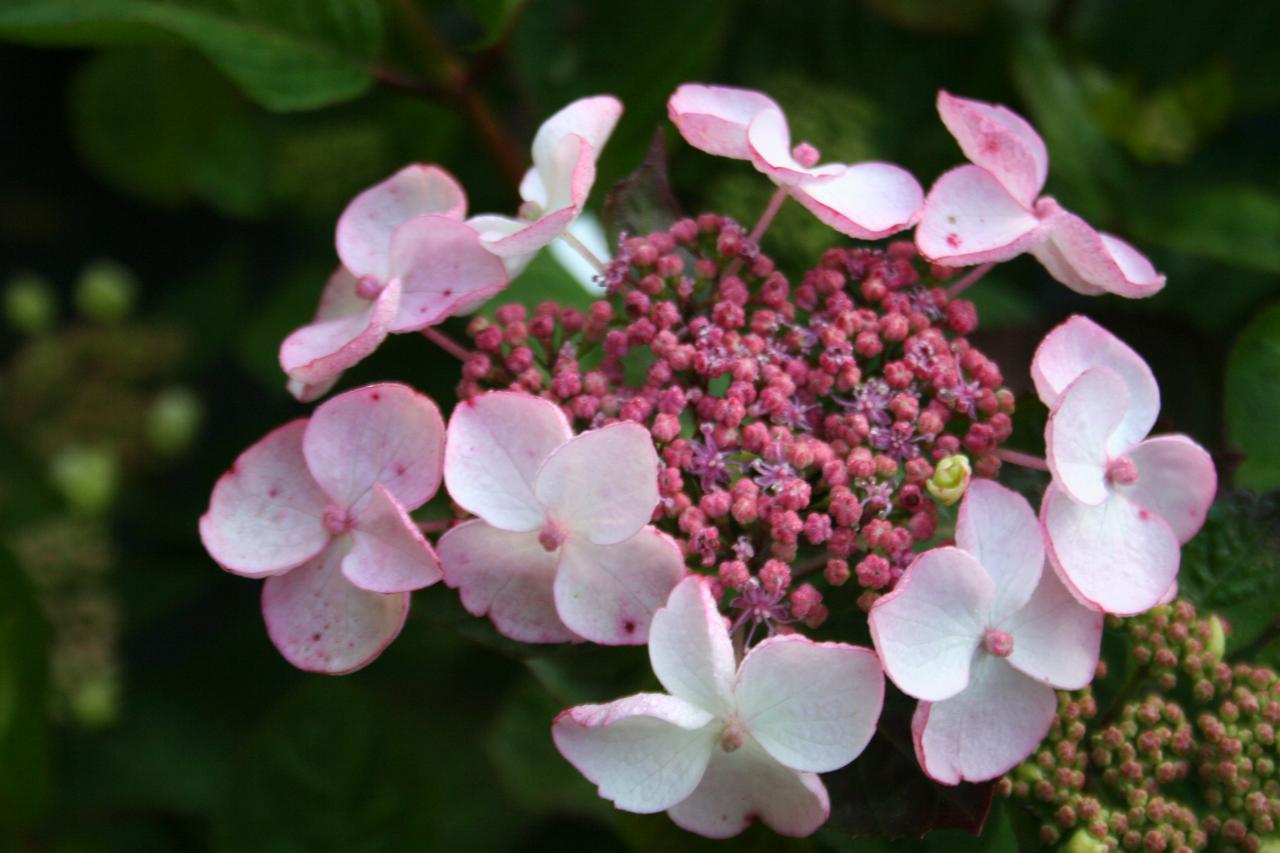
(172, 171)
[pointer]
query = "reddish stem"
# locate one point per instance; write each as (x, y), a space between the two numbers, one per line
(446, 343)
(1026, 460)
(970, 278)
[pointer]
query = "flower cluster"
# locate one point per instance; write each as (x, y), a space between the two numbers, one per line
(704, 457)
(1188, 766)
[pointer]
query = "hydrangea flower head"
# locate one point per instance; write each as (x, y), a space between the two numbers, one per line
(319, 508)
(988, 211)
(728, 742)
(408, 262)
(982, 635)
(865, 200)
(562, 548)
(1121, 504)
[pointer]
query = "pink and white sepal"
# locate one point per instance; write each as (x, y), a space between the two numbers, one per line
(561, 548)
(555, 189)
(319, 508)
(728, 743)
(1121, 504)
(988, 211)
(409, 261)
(983, 634)
(864, 200)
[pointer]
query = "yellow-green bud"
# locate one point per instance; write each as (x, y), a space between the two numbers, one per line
(173, 421)
(1028, 772)
(1082, 841)
(29, 304)
(105, 292)
(1217, 645)
(87, 477)
(950, 479)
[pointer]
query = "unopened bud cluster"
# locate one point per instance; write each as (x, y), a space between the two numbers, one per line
(802, 427)
(1190, 766)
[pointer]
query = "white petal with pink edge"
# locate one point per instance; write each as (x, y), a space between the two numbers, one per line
(321, 622)
(645, 753)
(689, 648)
(1116, 557)
(1087, 260)
(1176, 480)
(812, 706)
(266, 514)
(986, 730)
(1079, 344)
(496, 444)
(321, 351)
(970, 218)
(602, 484)
(1056, 639)
(385, 433)
(1000, 530)
(1079, 431)
(929, 627)
(508, 577)
(867, 200)
(714, 119)
(365, 227)
(443, 268)
(608, 593)
(999, 140)
(741, 786)
(389, 552)
(769, 139)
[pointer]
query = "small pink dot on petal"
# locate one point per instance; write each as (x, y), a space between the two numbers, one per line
(953, 240)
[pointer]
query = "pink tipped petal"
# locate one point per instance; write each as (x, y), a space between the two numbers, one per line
(714, 119)
(689, 648)
(1176, 481)
(443, 268)
(321, 351)
(307, 392)
(812, 706)
(563, 180)
(983, 732)
(645, 753)
(508, 576)
(741, 786)
(1117, 556)
(493, 231)
(770, 142)
(592, 119)
(320, 622)
(1056, 639)
(532, 236)
(366, 226)
(1079, 430)
(929, 627)
(1000, 141)
(602, 484)
(496, 444)
(608, 593)
(266, 513)
(867, 201)
(1079, 344)
(385, 433)
(969, 218)
(1087, 260)
(1000, 530)
(390, 553)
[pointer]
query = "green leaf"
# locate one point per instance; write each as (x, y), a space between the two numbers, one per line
(1232, 223)
(25, 776)
(494, 17)
(1253, 401)
(1232, 566)
(285, 54)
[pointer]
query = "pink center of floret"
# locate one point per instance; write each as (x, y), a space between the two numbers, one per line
(732, 737)
(1122, 471)
(337, 520)
(368, 287)
(806, 155)
(998, 643)
(552, 536)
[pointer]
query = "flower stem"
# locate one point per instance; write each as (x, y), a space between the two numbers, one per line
(446, 343)
(1026, 460)
(969, 279)
(587, 255)
(438, 525)
(770, 211)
